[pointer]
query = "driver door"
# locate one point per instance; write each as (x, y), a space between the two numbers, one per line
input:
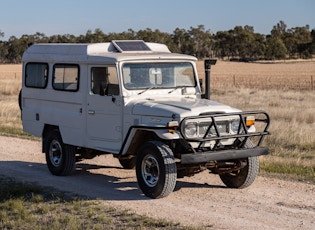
(104, 109)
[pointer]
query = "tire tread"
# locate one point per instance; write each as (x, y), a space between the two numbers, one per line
(170, 171)
(244, 178)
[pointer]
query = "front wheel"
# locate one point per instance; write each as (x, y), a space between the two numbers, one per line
(156, 169)
(60, 157)
(245, 176)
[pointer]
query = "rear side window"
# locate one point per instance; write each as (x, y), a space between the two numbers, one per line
(66, 77)
(36, 75)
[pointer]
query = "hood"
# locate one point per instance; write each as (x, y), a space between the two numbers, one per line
(180, 107)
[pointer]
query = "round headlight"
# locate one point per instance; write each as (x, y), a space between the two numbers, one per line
(235, 125)
(191, 130)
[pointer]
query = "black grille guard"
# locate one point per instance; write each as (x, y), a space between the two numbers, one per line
(235, 151)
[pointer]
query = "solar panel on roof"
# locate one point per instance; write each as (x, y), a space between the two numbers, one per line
(133, 45)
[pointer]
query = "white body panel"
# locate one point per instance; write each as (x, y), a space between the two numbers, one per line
(103, 122)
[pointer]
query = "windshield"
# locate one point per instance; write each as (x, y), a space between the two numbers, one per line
(158, 75)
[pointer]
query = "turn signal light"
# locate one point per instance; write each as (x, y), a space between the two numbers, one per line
(172, 124)
(250, 120)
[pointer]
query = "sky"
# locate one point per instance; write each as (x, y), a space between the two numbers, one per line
(19, 17)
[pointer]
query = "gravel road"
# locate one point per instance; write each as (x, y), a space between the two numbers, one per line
(201, 200)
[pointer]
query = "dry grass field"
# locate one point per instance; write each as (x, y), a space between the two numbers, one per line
(297, 75)
(284, 89)
(10, 84)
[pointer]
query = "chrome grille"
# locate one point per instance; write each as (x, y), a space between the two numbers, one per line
(223, 128)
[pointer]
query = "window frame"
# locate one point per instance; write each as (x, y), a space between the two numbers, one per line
(26, 75)
(112, 87)
(64, 66)
(157, 86)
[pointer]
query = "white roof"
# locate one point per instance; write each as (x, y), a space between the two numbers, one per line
(96, 53)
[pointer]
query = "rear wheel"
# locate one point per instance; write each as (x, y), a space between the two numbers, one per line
(20, 99)
(60, 157)
(245, 176)
(156, 169)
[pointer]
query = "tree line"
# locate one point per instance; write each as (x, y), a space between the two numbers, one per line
(240, 43)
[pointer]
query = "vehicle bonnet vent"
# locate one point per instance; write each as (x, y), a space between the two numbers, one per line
(131, 46)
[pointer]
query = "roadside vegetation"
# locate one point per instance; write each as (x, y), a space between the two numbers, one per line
(241, 43)
(29, 206)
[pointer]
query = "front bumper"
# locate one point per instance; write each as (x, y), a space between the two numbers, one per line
(236, 149)
(196, 158)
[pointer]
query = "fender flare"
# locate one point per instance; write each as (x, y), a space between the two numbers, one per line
(161, 132)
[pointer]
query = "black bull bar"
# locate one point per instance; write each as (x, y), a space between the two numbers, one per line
(213, 133)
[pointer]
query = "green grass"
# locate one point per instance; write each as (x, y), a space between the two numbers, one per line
(290, 171)
(294, 161)
(29, 206)
(16, 132)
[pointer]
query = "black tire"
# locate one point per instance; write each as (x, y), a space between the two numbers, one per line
(244, 177)
(60, 157)
(128, 163)
(156, 169)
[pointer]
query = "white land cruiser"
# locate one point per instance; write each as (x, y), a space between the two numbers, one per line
(141, 103)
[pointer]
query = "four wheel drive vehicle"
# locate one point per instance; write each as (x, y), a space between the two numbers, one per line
(141, 103)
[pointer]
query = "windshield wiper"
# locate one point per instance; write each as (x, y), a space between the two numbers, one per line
(145, 90)
(177, 87)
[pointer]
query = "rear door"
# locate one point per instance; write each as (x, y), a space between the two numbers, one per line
(104, 109)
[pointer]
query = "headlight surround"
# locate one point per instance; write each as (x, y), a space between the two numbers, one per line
(191, 129)
(197, 129)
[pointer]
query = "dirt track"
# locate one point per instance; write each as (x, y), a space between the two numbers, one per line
(201, 200)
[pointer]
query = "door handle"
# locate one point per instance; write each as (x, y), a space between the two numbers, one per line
(91, 112)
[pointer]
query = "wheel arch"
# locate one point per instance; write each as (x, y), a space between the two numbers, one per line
(135, 139)
(46, 130)
(137, 135)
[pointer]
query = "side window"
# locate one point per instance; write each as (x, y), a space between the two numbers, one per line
(104, 81)
(36, 75)
(66, 77)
